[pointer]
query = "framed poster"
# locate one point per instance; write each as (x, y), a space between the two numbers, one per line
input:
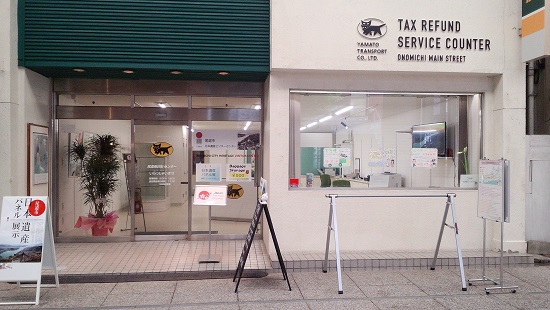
(37, 155)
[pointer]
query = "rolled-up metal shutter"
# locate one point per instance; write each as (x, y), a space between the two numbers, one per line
(200, 38)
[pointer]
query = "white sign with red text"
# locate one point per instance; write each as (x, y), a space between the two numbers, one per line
(22, 228)
(210, 195)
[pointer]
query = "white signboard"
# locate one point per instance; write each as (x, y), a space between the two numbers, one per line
(209, 173)
(421, 157)
(226, 140)
(398, 35)
(490, 190)
(336, 157)
(238, 172)
(22, 228)
(210, 195)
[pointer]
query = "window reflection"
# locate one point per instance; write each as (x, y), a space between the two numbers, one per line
(383, 140)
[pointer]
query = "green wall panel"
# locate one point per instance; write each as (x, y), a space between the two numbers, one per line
(196, 36)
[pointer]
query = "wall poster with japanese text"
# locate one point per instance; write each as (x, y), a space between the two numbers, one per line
(226, 140)
(424, 158)
(336, 157)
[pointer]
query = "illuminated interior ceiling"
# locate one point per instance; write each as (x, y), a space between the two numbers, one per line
(366, 108)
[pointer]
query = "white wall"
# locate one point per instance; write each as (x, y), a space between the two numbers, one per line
(321, 139)
(313, 35)
(24, 98)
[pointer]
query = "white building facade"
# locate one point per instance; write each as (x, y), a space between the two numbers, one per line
(457, 63)
(421, 47)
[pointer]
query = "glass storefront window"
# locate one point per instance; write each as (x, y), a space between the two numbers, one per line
(72, 198)
(225, 153)
(363, 140)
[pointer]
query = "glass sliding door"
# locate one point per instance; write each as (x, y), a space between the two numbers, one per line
(161, 195)
(226, 153)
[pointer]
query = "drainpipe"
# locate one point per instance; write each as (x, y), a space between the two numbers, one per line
(531, 97)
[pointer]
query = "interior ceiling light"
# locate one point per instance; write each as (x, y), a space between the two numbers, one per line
(162, 104)
(257, 107)
(311, 124)
(223, 73)
(326, 118)
(303, 128)
(78, 70)
(247, 124)
(344, 110)
(176, 72)
(128, 71)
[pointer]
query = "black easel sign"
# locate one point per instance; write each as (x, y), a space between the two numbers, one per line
(260, 206)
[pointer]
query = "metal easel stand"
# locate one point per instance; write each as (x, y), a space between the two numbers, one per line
(210, 258)
(333, 226)
(500, 281)
(451, 203)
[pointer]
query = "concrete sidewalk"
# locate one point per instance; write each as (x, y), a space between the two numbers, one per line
(368, 289)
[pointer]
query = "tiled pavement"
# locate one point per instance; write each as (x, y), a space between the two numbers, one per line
(130, 273)
(366, 289)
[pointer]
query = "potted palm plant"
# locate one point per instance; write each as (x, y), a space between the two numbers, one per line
(99, 164)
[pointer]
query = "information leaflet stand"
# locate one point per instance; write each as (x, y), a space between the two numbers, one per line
(494, 204)
(260, 206)
(26, 243)
(333, 226)
(210, 195)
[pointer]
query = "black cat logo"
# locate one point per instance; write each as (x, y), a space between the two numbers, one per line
(234, 191)
(372, 28)
(161, 149)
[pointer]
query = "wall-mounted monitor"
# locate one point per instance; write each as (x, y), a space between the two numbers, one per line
(432, 135)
